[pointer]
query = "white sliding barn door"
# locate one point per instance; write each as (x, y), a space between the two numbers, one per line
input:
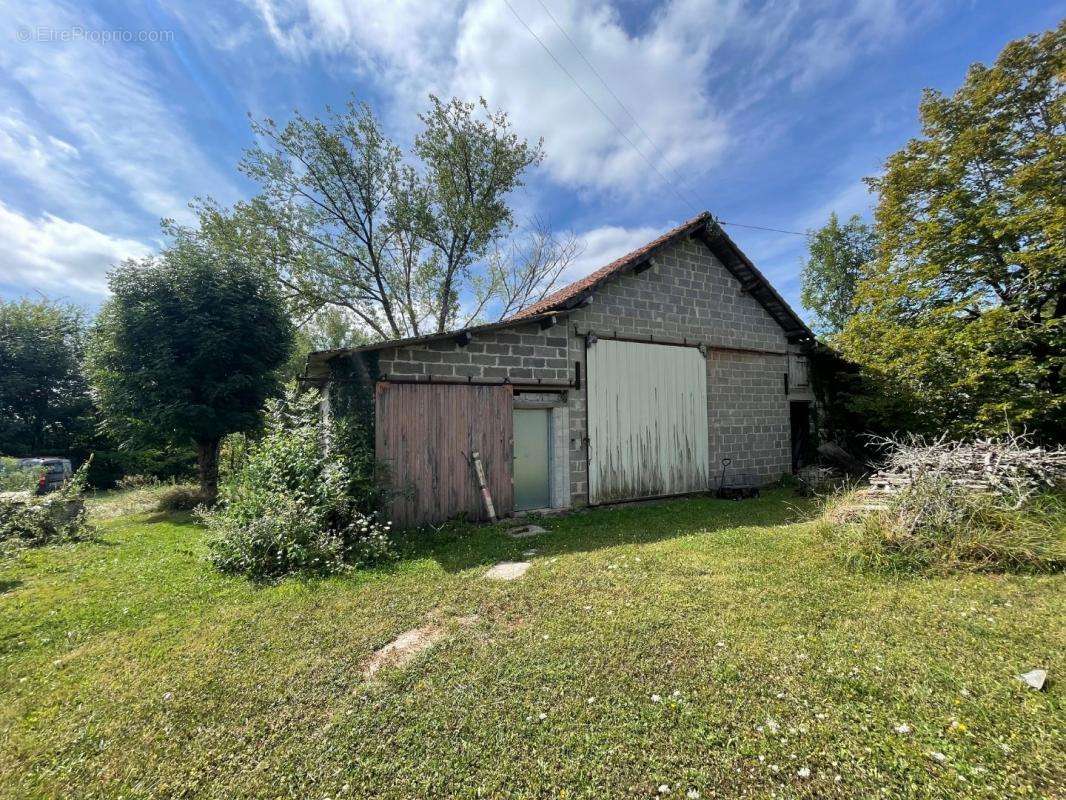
(647, 420)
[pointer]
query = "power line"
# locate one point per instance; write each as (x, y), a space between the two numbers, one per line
(596, 105)
(760, 228)
(622, 133)
(658, 150)
(611, 92)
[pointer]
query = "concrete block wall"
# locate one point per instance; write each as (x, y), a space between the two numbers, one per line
(525, 354)
(690, 294)
(749, 414)
(687, 294)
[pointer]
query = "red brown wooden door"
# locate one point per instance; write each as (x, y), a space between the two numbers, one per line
(425, 434)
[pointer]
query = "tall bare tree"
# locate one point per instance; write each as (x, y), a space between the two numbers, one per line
(406, 245)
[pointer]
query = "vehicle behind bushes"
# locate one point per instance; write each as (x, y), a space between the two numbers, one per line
(40, 474)
(31, 520)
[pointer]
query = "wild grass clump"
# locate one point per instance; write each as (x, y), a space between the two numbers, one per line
(137, 481)
(182, 497)
(295, 505)
(935, 525)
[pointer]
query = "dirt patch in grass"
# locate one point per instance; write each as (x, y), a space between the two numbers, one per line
(403, 649)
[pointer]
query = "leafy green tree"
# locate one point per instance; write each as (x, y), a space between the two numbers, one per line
(45, 407)
(406, 245)
(964, 307)
(329, 329)
(187, 348)
(838, 256)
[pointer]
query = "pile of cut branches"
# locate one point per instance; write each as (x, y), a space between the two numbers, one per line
(939, 505)
(1008, 466)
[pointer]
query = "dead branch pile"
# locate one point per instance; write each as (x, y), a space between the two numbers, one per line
(1009, 465)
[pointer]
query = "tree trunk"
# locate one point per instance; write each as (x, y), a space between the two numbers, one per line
(207, 467)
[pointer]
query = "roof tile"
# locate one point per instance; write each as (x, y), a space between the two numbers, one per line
(570, 291)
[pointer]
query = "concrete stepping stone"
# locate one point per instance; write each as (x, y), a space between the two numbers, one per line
(507, 570)
(405, 647)
(1034, 679)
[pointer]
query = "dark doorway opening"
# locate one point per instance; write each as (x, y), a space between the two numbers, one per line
(800, 416)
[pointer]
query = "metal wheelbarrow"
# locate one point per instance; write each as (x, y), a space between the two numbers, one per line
(738, 484)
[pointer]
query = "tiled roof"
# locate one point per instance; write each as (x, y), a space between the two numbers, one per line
(559, 298)
(733, 259)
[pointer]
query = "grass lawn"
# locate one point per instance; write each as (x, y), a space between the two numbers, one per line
(700, 644)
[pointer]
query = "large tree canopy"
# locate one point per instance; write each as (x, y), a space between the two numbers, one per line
(838, 257)
(187, 347)
(44, 400)
(964, 308)
(406, 245)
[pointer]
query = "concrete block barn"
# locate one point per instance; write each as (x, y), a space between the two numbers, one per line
(631, 383)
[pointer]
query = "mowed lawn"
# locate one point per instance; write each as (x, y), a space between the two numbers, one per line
(700, 645)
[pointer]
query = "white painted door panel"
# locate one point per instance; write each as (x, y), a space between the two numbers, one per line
(647, 419)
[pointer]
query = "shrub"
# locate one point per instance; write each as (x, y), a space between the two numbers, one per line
(182, 497)
(232, 453)
(137, 481)
(30, 521)
(294, 505)
(935, 525)
(14, 478)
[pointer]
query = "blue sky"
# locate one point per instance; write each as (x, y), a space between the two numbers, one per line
(765, 113)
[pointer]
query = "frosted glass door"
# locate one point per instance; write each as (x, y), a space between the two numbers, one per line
(531, 432)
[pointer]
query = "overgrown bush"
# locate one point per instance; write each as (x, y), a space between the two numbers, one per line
(296, 505)
(936, 525)
(232, 453)
(137, 481)
(14, 478)
(182, 497)
(30, 521)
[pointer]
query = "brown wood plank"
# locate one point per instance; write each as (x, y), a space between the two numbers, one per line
(425, 434)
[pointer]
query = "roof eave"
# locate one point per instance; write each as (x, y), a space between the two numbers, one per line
(325, 356)
(702, 227)
(797, 329)
(626, 263)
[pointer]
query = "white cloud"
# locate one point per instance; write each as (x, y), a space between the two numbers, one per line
(402, 42)
(30, 152)
(483, 50)
(52, 167)
(103, 107)
(835, 39)
(57, 256)
(605, 244)
(690, 69)
(659, 77)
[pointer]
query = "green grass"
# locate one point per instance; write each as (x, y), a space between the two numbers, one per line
(129, 668)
